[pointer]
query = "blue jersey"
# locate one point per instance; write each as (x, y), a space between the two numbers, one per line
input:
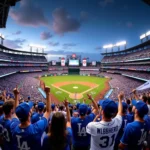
(28, 138)
(48, 146)
(80, 137)
(5, 133)
(125, 120)
(134, 135)
(147, 119)
(36, 117)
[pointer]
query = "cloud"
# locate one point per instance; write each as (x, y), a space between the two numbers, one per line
(14, 44)
(104, 3)
(46, 35)
(53, 44)
(28, 14)
(84, 16)
(17, 33)
(63, 22)
(129, 24)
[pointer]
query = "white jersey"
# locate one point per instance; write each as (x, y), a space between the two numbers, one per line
(103, 134)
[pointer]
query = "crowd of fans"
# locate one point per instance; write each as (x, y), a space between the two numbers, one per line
(14, 57)
(106, 125)
(126, 57)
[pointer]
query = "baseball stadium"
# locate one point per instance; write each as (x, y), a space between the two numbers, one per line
(60, 93)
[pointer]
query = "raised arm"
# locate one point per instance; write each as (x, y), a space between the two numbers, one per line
(68, 113)
(120, 107)
(95, 111)
(16, 94)
(48, 103)
(135, 94)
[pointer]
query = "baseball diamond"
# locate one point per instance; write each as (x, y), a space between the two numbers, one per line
(83, 85)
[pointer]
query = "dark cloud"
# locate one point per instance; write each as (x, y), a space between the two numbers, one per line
(104, 3)
(84, 16)
(29, 14)
(46, 35)
(14, 44)
(53, 44)
(63, 22)
(17, 33)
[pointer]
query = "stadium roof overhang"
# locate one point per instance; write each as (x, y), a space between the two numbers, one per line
(4, 10)
(140, 46)
(20, 51)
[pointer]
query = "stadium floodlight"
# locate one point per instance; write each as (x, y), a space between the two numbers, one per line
(108, 46)
(37, 46)
(142, 36)
(148, 33)
(1, 36)
(121, 43)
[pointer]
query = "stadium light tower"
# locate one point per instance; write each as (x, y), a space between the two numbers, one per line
(106, 47)
(121, 44)
(38, 47)
(142, 37)
(147, 35)
(2, 38)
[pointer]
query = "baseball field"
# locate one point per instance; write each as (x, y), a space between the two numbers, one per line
(76, 87)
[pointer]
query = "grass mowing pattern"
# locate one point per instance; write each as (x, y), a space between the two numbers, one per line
(61, 95)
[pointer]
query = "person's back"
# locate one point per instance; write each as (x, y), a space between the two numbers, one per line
(136, 132)
(29, 137)
(135, 135)
(103, 133)
(5, 122)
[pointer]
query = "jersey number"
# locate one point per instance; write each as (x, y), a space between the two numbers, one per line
(105, 141)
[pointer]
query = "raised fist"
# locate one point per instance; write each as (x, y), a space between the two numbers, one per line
(16, 91)
(47, 89)
(121, 95)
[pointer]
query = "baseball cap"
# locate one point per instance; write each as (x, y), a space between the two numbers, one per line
(83, 109)
(109, 106)
(89, 110)
(124, 105)
(141, 107)
(100, 102)
(22, 111)
(40, 105)
(53, 106)
(78, 104)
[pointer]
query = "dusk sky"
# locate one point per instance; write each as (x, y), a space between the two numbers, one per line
(76, 26)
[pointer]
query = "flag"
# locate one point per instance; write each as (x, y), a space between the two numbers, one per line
(144, 86)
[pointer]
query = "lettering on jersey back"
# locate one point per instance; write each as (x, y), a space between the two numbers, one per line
(22, 145)
(81, 130)
(107, 130)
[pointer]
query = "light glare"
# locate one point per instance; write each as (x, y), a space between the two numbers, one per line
(142, 36)
(148, 33)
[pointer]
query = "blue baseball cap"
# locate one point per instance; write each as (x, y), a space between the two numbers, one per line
(109, 106)
(22, 111)
(40, 105)
(124, 105)
(53, 106)
(100, 102)
(134, 102)
(83, 109)
(142, 108)
(31, 104)
(78, 104)
(89, 110)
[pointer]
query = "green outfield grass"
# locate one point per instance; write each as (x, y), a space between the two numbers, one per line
(70, 88)
(61, 95)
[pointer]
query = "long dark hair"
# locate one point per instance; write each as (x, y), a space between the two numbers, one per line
(57, 133)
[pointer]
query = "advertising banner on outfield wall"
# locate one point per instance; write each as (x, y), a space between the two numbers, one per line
(84, 63)
(63, 62)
